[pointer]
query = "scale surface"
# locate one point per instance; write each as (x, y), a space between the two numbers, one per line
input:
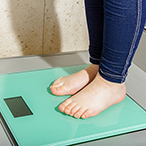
(39, 122)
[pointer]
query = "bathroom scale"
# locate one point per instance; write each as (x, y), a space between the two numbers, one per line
(31, 112)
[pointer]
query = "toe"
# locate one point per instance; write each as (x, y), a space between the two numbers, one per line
(57, 85)
(69, 107)
(54, 90)
(58, 90)
(79, 112)
(57, 81)
(86, 114)
(64, 105)
(74, 110)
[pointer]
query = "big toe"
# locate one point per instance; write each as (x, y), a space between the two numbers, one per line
(58, 90)
(64, 105)
(58, 84)
(57, 81)
(69, 107)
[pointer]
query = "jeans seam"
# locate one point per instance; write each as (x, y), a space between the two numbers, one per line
(137, 29)
(110, 75)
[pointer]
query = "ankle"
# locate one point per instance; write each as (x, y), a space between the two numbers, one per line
(91, 71)
(94, 67)
(100, 78)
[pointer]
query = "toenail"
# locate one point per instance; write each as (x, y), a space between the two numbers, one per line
(83, 116)
(76, 116)
(67, 111)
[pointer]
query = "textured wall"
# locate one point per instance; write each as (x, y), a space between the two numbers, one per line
(42, 26)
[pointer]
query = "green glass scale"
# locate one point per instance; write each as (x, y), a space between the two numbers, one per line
(31, 112)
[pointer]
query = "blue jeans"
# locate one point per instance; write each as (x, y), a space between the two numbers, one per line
(115, 28)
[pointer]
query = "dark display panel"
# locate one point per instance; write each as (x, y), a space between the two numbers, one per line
(18, 107)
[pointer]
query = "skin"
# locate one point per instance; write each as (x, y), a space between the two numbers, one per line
(93, 95)
(73, 83)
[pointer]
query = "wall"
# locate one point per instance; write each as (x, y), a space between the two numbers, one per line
(42, 26)
(140, 55)
(29, 27)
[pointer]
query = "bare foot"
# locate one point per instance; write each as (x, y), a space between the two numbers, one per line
(94, 98)
(71, 84)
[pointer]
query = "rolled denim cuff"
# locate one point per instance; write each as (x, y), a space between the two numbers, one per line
(112, 78)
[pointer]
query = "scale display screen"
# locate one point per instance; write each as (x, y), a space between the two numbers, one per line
(18, 107)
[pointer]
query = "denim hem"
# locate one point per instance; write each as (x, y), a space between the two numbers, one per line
(112, 78)
(94, 60)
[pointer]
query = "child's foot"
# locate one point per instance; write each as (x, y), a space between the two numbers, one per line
(94, 98)
(71, 84)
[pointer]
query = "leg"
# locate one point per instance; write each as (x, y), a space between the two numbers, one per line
(94, 15)
(123, 26)
(75, 82)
